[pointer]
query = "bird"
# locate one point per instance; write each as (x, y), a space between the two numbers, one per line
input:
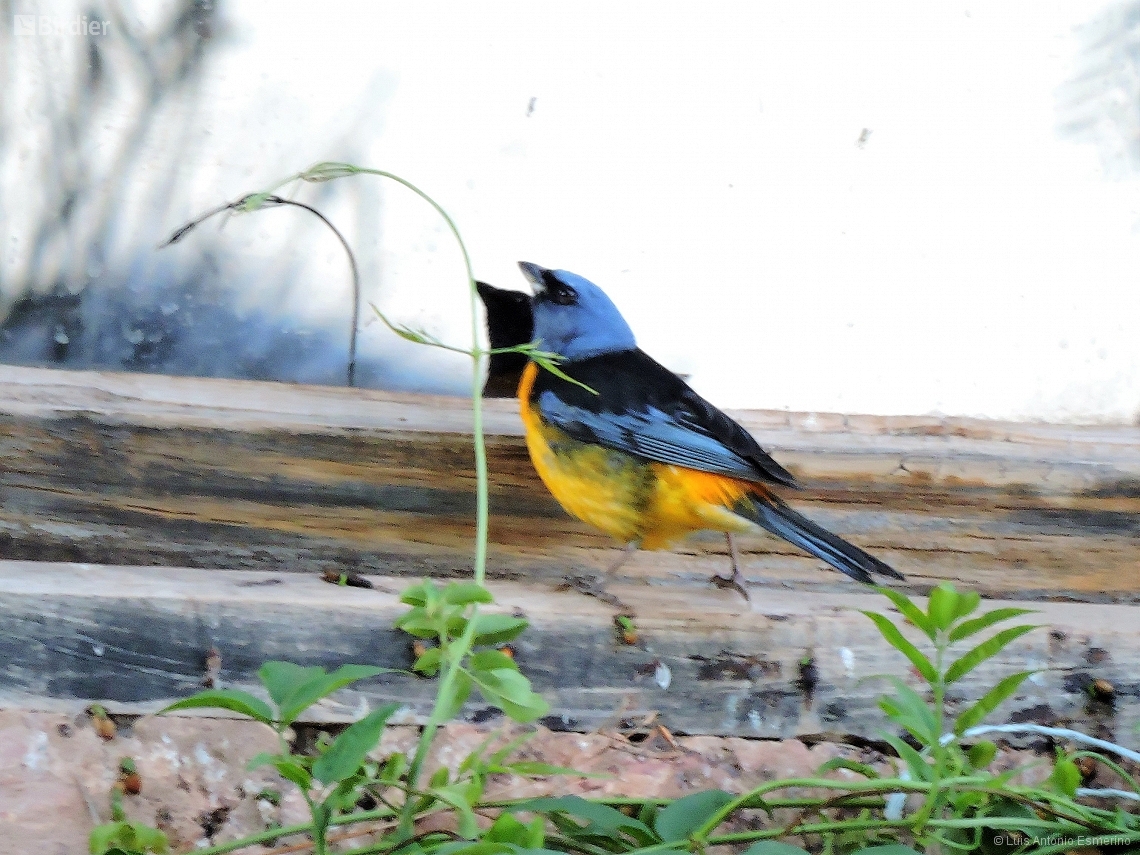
(625, 445)
(509, 323)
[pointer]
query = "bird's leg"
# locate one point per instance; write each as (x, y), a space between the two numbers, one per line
(623, 557)
(595, 585)
(736, 581)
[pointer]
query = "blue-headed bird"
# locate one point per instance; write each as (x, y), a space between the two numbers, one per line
(632, 450)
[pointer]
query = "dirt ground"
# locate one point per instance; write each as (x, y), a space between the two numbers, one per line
(56, 772)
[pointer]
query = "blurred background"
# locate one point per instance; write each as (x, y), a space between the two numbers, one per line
(868, 207)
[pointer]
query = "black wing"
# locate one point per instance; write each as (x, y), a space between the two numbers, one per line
(643, 408)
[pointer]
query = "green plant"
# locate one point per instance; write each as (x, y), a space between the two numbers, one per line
(960, 805)
(121, 836)
(946, 623)
(329, 782)
(440, 615)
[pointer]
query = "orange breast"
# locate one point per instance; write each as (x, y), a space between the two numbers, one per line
(687, 500)
(627, 497)
(598, 486)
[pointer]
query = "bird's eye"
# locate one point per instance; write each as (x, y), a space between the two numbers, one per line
(557, 291)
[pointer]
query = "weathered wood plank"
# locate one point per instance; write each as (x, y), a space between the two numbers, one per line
(135, 638)
(137, 469)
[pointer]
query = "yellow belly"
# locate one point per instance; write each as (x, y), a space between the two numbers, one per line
(633, 500)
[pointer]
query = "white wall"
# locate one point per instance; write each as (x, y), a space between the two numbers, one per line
(701, 161)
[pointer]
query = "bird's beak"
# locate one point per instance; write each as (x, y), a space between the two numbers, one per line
(533, 274)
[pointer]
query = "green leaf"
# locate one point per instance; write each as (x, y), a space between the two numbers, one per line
(773, 847)
(344, 756)
(151, 839)
(107, 837)
(988, 648)
(981, 754)
(126, 837)
(648, 813)
(416, 622)
(906, 707)
(401, 330)
(1066, 777)
(990, 701)
(919, 768)
(429, 661)
(601, 819)
(851, 765)
(543, 360)
(680, 819)
(967, 603)
(889, 849)
(254, 201)
(417, 595)
(510, 691)
(455, 624)
(490, 660)
(323, 685)
(407, 333)
(908, 610)
(345, 795)
(976, 625)
(497, 629)
(462, 797)
(465, 593)
(895, 638)
(99, 841)
(943, 605)
(291, 770)
(449, 707)
(536, 834)
(281, 679)
(393, 768)
(329, 170)
(226, 699)
(507, 829)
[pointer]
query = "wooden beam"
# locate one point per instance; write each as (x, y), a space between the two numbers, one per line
(136, 638)
(150, 470)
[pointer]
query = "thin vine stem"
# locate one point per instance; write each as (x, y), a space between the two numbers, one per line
(242, 204)
(329, 171)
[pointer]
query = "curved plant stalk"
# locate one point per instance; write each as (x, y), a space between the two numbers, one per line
(270, 199)
(330, 171)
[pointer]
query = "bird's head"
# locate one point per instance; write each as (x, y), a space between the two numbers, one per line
(573, 317)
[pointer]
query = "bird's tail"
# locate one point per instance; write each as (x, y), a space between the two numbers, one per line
(773, 515)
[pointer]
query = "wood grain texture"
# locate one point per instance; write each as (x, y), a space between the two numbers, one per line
(149, 470)
(136, 638)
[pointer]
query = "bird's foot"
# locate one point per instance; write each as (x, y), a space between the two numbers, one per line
(593, 585)
(735, 582)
